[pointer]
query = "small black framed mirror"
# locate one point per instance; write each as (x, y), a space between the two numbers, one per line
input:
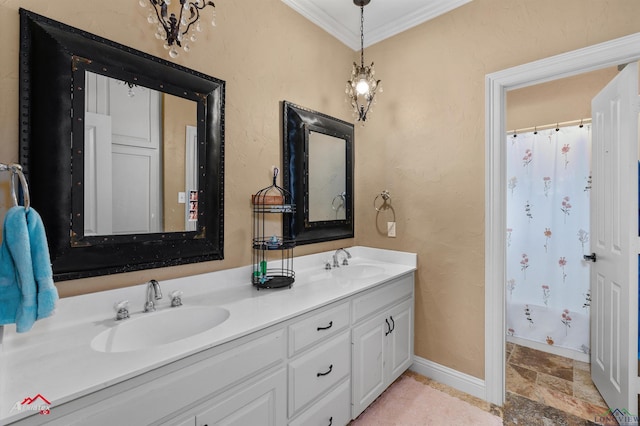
(119, 202)
(318, 171)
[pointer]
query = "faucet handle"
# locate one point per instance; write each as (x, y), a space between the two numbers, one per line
(345, 262)
(327, 264)
(122, 309)
(176, 298)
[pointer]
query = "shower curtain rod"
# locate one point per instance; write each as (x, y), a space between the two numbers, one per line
(550, 126)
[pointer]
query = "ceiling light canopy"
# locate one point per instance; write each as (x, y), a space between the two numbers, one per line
(174, 30)
(363, 86)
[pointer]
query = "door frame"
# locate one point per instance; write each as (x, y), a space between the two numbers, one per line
(607, 54)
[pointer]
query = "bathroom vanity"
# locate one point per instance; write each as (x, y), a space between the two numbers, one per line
(316, 354)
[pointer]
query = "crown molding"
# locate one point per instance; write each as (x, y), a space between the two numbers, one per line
(424, 14)
(351, 38)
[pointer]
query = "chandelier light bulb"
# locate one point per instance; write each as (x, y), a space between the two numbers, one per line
(362, 87)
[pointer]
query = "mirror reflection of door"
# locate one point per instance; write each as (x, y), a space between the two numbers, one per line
(327, 177)
(135, 154)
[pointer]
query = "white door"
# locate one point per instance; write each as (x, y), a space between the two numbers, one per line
(123, 191)
(97, 174)
(614, 240)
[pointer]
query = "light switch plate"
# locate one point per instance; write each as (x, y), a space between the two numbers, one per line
(391, 229)
(182, 197)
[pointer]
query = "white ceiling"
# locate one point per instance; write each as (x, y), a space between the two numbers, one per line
(382, 18)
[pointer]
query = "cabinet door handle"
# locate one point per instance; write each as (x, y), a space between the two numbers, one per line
(393, 324)
(386, 333)
(327, 327)
(330, 420)
(324, 374)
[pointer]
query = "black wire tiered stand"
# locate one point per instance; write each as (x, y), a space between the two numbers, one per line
(272, 254)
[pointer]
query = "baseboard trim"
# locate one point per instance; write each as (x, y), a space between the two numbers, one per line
(556, 350)
(450, 377)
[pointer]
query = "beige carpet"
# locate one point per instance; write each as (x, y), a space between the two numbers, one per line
(410, 403)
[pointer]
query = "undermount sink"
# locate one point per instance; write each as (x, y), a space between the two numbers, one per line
(159, 328)
(354, 272)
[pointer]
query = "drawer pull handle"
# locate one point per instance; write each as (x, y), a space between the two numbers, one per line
(324, 374)
(327, 327)
(386, 333)
(393, 324)
(330, 420)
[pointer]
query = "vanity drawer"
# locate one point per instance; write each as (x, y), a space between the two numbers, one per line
(375, 300)
(318, 370)
(317, 327)
(333, 409)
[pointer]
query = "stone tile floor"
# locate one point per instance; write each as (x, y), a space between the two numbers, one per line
(547, 389)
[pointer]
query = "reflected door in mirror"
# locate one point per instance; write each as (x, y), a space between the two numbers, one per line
(138, 143)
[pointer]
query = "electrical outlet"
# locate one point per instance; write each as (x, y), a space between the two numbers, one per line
(391, 229)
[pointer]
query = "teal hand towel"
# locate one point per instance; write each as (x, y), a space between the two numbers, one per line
(27, 292)
(10, 296)
(42, 273)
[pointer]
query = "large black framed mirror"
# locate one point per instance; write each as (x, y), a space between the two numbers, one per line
(318, 171)
(123, 152)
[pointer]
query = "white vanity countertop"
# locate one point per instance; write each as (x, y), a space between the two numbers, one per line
(55, 358)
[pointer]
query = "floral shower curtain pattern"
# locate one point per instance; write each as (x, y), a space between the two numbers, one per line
(549, 184)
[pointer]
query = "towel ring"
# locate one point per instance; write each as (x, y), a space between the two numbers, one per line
(386, 199)
(341, 200)
(16, 169)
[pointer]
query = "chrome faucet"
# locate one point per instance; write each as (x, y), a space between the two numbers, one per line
(153, 293)
(335, 257)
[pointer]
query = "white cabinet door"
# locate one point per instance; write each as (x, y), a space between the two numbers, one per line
(382, 351)
(260, 403)
(400, 340)
(368, 363)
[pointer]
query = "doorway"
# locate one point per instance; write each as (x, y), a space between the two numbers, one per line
(548, 201)
(607, 54)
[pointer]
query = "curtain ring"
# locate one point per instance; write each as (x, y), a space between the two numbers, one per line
(386, 199)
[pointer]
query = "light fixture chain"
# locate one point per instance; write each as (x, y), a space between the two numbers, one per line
(362, 36)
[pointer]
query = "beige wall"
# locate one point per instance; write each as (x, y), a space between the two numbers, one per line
(425, 143)
(425, 140)
(557, 101)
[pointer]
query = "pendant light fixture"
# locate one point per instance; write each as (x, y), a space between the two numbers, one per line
(362, 87)
(174, 30)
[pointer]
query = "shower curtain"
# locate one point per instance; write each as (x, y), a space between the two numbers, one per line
(548, 189)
